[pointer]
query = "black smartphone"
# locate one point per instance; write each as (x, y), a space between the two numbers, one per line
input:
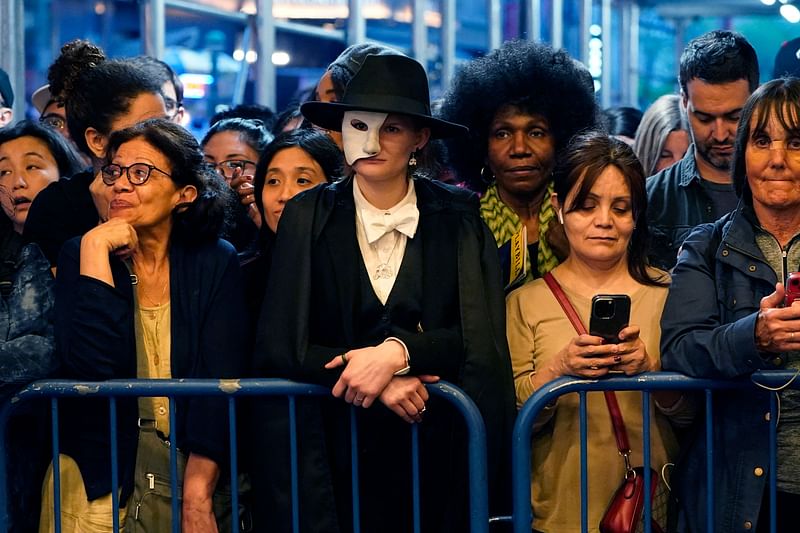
(610, 315)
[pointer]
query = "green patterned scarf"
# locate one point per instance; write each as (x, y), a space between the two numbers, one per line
(504, 223)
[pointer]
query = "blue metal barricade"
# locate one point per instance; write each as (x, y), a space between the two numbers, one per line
(523, 431)
(232, 389)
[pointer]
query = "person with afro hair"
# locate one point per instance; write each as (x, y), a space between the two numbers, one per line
(522, 103)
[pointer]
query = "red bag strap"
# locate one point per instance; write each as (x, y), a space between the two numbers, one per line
(611, 399)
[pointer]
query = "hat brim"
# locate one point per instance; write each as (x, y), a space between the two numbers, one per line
(329, 115)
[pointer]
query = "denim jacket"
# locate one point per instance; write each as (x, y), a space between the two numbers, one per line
(676, 203)
(707, 330)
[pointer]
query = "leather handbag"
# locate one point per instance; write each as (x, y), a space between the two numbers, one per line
(624, 512)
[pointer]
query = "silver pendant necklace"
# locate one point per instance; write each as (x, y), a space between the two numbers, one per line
(384, 269)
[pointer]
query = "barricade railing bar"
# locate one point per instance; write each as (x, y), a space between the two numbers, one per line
(646, 383)
(233, 389)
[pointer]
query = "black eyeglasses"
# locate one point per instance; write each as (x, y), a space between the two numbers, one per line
(54, 121)
(226, 168)
(138, 173)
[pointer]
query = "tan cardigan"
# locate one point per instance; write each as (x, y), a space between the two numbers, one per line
(537, 330)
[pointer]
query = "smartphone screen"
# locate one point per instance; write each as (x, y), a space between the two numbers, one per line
(610, 315)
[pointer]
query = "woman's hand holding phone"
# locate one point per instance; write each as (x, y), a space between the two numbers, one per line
(632, 357)
(585, 356)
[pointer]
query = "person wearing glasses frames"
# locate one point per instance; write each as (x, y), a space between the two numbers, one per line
(171, 85)
(232, 146)
(151, 293)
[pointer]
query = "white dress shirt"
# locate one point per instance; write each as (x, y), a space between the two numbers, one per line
(382, 236)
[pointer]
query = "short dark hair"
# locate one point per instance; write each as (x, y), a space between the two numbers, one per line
(622, 120)
(252, 131)
(68, 160)
(103, 93)
(163, 74)
(779, 98)
(585, 158)
(249, 111)
(719, 56)
(313, 142)
(203, 219)
(531, 76)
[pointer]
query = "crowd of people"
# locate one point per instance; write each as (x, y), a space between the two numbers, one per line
(373, 242)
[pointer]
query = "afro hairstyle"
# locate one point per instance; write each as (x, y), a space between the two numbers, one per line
(532, 76)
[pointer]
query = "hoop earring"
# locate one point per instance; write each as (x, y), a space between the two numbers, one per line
(412, 162)
(489, 180)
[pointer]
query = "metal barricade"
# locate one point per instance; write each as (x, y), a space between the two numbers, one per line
(523, 431)
(233, 389)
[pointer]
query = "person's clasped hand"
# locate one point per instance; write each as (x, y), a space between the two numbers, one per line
(777, 327)
(367, 371)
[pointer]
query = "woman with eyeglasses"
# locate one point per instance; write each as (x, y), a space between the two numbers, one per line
(232, 146)
(151, 293)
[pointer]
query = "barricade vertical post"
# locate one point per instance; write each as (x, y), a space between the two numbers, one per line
(773, 461)
(5, 413)
(234, 465)
(709, 461)
(584, 465)
(112, 416)
(56, 466)
(173, 465)
(354, 470)
(415, 475)
(646, 459)
(293, 466)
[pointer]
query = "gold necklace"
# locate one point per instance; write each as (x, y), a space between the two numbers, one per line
(140, 289)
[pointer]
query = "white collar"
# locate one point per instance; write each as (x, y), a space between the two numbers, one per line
(403, 216)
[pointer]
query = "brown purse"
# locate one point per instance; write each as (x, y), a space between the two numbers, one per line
(624, 512)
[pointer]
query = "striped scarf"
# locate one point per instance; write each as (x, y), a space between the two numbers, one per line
(504, 223)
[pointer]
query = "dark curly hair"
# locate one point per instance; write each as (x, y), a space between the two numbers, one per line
(76, 56)
(584, 160)
(103, 93)
(205, 218)
(531, 76)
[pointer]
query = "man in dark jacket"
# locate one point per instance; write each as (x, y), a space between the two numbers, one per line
(718, 71)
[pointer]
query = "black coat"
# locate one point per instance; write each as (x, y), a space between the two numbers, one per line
(309, 316)
(96, 340)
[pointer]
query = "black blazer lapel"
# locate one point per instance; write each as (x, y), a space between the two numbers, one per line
(338, 238)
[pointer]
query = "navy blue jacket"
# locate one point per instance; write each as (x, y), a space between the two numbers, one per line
(676, 203)
(707, 330)
(95, 340)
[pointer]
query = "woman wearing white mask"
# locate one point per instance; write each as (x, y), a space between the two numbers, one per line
(381, 283)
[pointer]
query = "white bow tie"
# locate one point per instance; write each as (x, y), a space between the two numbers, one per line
(379, 223)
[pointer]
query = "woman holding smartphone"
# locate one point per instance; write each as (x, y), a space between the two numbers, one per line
(600, 199)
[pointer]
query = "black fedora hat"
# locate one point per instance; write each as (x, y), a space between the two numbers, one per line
(384, 84)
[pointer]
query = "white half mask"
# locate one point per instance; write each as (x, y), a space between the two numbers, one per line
(361, 134)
